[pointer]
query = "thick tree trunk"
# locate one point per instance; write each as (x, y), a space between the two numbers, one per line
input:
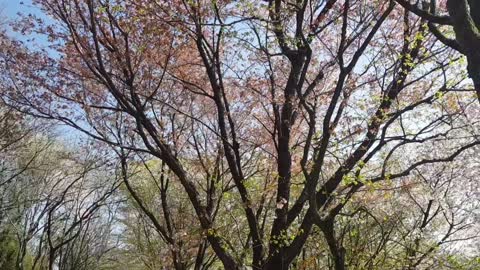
(276, 263)
(466, 24)
(476, 79)
(337, 251)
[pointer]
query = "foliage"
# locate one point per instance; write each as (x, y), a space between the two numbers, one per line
(276, 134)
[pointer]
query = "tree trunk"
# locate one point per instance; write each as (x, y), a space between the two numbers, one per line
(466, 22)
(337, 251)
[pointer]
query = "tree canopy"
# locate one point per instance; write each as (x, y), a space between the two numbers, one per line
(216, 134)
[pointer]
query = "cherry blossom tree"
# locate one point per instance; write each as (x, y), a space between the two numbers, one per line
(272, 119)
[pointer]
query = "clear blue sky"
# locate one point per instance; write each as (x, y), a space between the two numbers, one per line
(9, 8)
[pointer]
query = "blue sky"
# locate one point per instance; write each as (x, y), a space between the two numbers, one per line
(9, 8)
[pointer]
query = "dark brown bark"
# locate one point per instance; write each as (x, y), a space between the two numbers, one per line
(464, 16)
(466, 26)
(337, 251)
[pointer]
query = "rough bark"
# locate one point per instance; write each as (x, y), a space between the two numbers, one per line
(466, 22)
